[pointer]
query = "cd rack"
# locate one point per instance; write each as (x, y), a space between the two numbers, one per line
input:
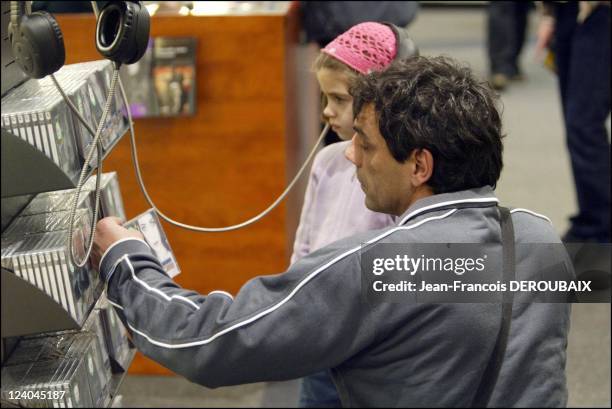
(44, 298)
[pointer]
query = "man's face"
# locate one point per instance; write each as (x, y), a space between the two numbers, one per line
(385, 181)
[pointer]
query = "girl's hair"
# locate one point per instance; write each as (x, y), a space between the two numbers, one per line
(326, 61)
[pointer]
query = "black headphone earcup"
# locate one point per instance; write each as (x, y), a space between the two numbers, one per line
(38, 45)
(141, 31)
(405, 46)
(122, 31)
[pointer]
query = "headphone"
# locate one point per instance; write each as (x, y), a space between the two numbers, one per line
(404, 45)
(122, 34)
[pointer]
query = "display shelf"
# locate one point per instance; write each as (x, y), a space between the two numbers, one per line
(26, 170)
(28, 310)
(7, 404)
(12, 206)
(114, 385)
(118, 378)
(19, 159)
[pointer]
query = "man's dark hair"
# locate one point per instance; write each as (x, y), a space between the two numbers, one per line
(437, 104)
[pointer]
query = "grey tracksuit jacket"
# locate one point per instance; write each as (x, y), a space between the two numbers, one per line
(312, 317)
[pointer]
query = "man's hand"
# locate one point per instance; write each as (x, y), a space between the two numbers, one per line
(108, 231)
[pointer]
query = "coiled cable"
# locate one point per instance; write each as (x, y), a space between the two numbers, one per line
(95, 145)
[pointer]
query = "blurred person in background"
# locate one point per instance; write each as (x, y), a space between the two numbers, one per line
(323, 21)
(579, 34)
(506, 28)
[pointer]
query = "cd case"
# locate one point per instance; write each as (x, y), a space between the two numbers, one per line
(70, 363)
(24, 226)
(57, 201)
(37, 113)
(111, 203)
(78, 91)
(115, 336)
(150, 227)
(40, 117)
(43, 260)
(97, 75)
(163, 81)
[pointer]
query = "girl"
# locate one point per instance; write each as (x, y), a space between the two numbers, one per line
(334, 204)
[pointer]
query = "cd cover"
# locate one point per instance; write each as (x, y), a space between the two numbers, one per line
(163, 82)
(150, 227)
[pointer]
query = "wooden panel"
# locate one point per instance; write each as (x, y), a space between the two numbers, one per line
(226, 163)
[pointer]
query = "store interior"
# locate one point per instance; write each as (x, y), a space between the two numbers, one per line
(220, 152)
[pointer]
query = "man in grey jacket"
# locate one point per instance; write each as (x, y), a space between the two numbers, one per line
(427, 148)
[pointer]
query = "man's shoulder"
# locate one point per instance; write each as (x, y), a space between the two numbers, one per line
(533, 227)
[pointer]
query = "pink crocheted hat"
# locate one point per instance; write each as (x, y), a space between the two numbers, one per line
(364, 47)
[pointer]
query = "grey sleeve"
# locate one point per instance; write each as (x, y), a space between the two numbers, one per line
(278, 327)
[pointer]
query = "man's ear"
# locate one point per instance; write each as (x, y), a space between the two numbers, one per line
(423, 166)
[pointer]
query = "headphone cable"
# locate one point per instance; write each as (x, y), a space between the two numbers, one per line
(96, 143)
(209, 229)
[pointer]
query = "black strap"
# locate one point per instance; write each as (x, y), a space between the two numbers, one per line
(491, 373)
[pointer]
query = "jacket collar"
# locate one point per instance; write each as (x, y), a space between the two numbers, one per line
(479, 197)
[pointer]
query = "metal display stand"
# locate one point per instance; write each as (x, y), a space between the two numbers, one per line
(26, 309)
(18, 160)
(36, 311)
(117, 380)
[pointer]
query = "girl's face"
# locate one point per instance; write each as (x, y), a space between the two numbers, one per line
(339, 108)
